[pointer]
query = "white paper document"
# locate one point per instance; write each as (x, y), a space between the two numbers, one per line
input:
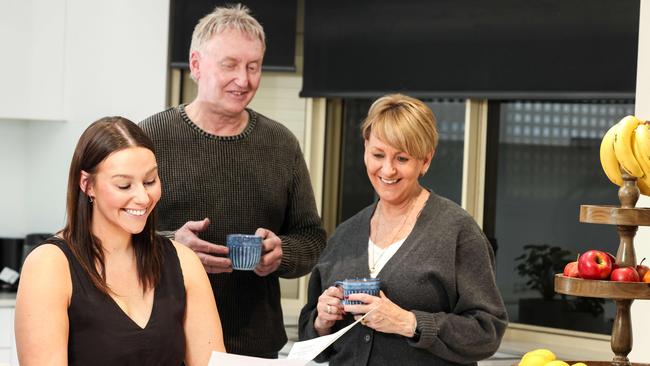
(308, 350)
(229, 359)
(299, 355)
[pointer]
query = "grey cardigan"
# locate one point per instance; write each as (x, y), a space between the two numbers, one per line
(444, 273)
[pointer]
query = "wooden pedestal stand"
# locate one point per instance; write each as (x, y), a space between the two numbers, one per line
(627, 219)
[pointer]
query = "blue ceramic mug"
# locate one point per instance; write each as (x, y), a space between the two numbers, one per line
(245, 251)
(351, 286)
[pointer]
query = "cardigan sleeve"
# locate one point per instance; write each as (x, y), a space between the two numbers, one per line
(308, 315)
(303, 237)
(473, 330)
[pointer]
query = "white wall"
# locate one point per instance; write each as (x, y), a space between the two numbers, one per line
(277, 98)
(114, 63)
(641, 308)
(14, 175)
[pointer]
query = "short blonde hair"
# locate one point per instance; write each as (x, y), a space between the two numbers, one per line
(403, 122)
(235, 17)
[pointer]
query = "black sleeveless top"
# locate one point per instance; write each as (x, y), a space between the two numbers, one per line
(102, 334)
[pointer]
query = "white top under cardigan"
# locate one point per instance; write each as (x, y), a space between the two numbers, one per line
(381, 256)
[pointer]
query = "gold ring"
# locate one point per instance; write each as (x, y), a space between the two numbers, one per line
(329, 311)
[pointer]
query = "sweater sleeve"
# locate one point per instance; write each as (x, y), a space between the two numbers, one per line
(473, 330)
(303, 237)
(308, 315)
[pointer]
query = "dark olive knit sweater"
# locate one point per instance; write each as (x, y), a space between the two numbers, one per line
(255, 179)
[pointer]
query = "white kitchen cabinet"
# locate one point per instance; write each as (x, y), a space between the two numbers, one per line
(5, 356)
(6, 326)
(32, 35)
(7, 344)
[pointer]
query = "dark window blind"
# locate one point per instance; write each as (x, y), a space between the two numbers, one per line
(498, 49)
(278, 17)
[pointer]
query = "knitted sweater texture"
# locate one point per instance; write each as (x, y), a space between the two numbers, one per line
(255, 179)
(443, 273)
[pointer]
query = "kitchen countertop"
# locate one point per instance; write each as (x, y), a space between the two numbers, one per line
(7, 299)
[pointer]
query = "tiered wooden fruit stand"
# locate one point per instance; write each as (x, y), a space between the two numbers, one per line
(627, 219)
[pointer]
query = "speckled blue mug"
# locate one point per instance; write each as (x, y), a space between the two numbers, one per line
(245, 251)
(351, 286)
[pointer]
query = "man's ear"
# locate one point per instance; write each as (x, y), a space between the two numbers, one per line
(195, 71)
(84, 184)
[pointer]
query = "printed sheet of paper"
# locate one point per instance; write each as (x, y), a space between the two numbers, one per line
(229, 359)
(308, 350)
(300, 355)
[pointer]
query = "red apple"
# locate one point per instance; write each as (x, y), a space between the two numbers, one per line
(642, 269)
(614, 265)
(594, 265)
(625, 274)
(571, 270)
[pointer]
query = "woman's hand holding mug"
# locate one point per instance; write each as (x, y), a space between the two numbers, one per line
(329, 309)
(386, 316)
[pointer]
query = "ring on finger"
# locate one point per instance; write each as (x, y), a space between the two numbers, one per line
(329, 309)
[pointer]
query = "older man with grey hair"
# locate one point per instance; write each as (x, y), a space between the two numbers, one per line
(228, 169)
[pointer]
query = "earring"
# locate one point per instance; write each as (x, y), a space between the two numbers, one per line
(90, 199)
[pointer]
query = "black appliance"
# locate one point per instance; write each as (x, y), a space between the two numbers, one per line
(11, 255)
(13, 252)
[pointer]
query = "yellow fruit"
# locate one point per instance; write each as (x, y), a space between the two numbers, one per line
(644, 160)
(556, 363)
(547, 354)
(531, 359)
(579, 364)
(623, 146)
(608, 160)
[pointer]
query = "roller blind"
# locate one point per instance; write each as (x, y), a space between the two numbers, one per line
(498, 49)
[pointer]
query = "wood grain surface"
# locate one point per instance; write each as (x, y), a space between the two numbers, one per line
(615, 215)
(604, 289)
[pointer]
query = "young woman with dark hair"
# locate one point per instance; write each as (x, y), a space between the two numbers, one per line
(107, 289)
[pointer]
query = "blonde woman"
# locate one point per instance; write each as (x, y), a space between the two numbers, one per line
(439, 303)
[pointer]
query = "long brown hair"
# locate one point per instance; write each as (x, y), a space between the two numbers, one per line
(97, 142)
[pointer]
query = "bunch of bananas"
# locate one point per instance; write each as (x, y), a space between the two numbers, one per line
(626, 146)
(543, 357)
